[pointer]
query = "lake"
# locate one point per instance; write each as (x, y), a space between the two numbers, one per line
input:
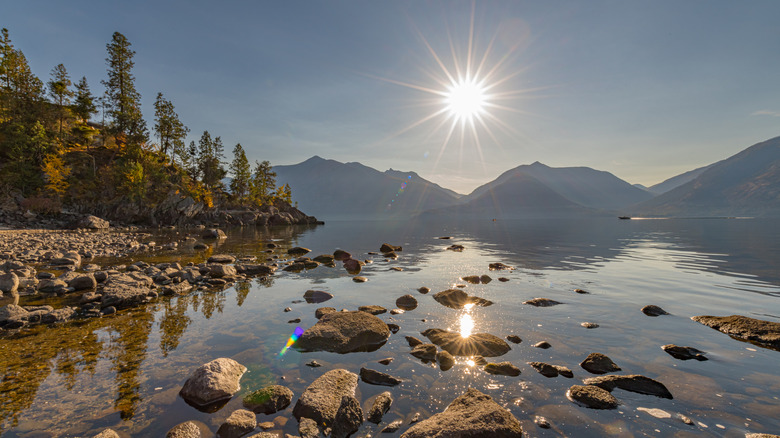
(124, 371)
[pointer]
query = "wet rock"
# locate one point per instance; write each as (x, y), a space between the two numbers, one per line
(457, 299)
(348, 418)
(352, 266)
(589, 325)
(542, 302)
(322, 311)
(238, 424)
(385, 361)
(514, 339)
(502, 368)
(107, 433)
(214, 233)
(82, 282)
(221, 258)
(359, 279)
(653, 310)
(222, 271)
(597, 363)
(316, 296)
(200, 246)
(499, 267)
(542, 422)
(684, 353)
(390, 255)
(503, 279)
(380, 406)
(473, 414)
(543, 345)
(9, 283)
(289, 309)
(456, 248)
(255, 270)
(406, 302)
(394, 328)
(424, 351)
(548, 370)
(268, 400)
(393, 427)
(445, 360)
(52, 286)
(212, 382)
(479, 360)
(180, 288)
(324, 259)
(322, 399)
(386, 247)
(59, 315)
(761, 435)
(413, 342)
(313, 364)
(344, 332)
(89, 297)
(396, 311)
(294, 267)
(424, 290)
(125, 290)
(473, 279)
(373, 309)
(307, 428)
(189, 429)
(742, 327)
(415, 418)
(581, 291)
(298, 251)
(378, 378)
(592, 397)
(110, 310)
(483, 344)
(341, 255)
(633, 383)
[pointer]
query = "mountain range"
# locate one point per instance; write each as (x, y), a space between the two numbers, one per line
(746, 184)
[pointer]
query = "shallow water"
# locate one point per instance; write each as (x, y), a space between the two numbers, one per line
(124, 371)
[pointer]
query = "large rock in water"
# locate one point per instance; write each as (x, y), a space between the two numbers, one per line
(9, 283)
(472, 415)
(322, 399)
(762, 332)
(213, 382)
(268, 400)
(345, 332)
(457, 299)
(125, 290)
(633, 383)
(482, 344)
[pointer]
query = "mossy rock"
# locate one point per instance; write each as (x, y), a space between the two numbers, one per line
(268, 400)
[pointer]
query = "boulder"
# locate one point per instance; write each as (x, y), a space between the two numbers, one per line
(238, 424)
(597, 363)
(380, 406)
(684, 353)
(255, 270)
(9, 283)
(445, 360)
(386, 247)
(542, 302)
(322, 399)
(189, 429)
(348, 418)
(352, 266)
(344, 332)
(483, 344)
(653, 310)
(222, 271)
(12, 312)
(52, 286)
(325, 259)
(221, 258)
(125, 290)
(307, 428)
(341, 255)
(457, 299)
(592, 397)
(213, 382)
(82, 282)
(502, 368)
(765, 333)
(316, 296)
(268, 400)
(59, 315)
(406, 302)
(92, 223)
(214, 233)
(424, 352)
(378, 378)
(474, 415)
(633, 383)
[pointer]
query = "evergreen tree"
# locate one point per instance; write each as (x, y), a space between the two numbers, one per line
(84, 105)
(209, 161)
(263, 183)
(170, 130)
(60, 92)
(242, 174)
(122, 99)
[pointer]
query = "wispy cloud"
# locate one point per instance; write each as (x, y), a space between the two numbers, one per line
(766, 113)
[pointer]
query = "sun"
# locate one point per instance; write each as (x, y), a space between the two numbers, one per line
(465, 99)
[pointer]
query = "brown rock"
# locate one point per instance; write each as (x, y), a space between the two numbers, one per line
(765, 333)
(592, 397)
(212, 382)
(598, 363)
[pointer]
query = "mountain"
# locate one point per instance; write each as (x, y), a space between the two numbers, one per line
(580, 185)
(330, 190)
(677, 181)
(746, 184)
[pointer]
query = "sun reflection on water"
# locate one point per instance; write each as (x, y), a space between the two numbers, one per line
(466, 322)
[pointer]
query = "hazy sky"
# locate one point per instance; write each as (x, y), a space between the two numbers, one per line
(645, 90)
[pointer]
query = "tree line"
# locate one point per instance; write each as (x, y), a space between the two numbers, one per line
(54, 151)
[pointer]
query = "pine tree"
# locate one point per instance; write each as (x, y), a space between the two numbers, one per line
(242, 174)
(84, 104)
(263, 183)
(209, 161)
(123, 101)
(170, 130)
(60, 92)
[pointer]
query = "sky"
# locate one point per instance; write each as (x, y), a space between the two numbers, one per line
(645, 90)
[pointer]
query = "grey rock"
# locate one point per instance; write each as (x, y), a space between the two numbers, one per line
(483, 344)
(125, 290)
(212, 382)
(268, 400)
(380, 406)
(92, 223)
(59, 315)
(52, 286)
(221, 258)
(83, 281)
(9, 283)
(633, 383)
(502, 368)
(298, 251)
(765, 333)
(592, 397)
(473, 414)
(189, 429)
(378, 378)
(238, 424)
(653, 310)
(393, 427)
(348, 419)
(307, 428)
(344, 332)
(107, 433)
(597, 363)
(222, 271)
(256, 270)
(322, 398)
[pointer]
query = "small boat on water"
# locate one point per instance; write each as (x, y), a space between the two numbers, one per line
(624, 217)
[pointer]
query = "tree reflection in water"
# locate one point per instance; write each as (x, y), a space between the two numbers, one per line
(174, 323)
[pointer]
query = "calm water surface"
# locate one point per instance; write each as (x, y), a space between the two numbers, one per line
(125, 371)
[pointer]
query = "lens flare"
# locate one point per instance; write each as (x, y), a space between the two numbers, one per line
(294, 337)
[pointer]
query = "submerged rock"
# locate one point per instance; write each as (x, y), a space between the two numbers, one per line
(597, 363)
(268, 400)
(483, 344)
(322, 399)
(413, 342)
(298, 251)
(344, 332)
(634, 383)
(592, 397)
(393, 427)
(378, 378)
(514, 339)
(653, 310)
(457, 299)
(424, 352)
(341, 255)
(380, 406)
(473, 414)
(766, 333)
(221, 258)
(684, 353)
(548, 370)
(542, 344)
(499, 267)
(213, 382)
(542, 302)
(386, 247)
(316, 296)
(502, 368)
